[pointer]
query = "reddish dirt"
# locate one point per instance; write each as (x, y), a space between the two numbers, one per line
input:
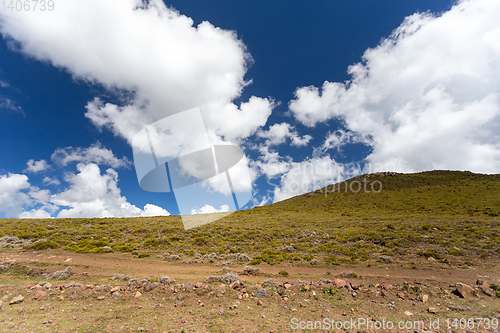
(107, 264)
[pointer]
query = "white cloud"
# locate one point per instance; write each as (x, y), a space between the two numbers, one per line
(278, 133)
(207, 209)
(310, 175)
(12, 193)
(271, 163)
(95, 153)
(427, 97)
(153, 210)
(36, 166)
(155, 53)
(92, 194)
(35, 214)
(9, 104)
(51, 181)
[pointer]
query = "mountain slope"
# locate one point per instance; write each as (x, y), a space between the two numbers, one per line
(436, 192)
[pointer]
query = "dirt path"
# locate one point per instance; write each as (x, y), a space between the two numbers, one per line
(110, 263)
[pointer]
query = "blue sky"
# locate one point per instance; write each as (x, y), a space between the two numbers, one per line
(314, 92)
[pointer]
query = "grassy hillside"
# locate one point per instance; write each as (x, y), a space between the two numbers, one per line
(432, 192)
(449, 216)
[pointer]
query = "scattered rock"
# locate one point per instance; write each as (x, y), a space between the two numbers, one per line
(180, 297)
(432, 310)
(115, 294)
(408, 313)
(355, 285)
(165, 280)
(178, 304)
(40, 295)
(107, 249)
(100, 298)
(119, 276)
(16, 300)
(13, 241)
(261, 293)
(259, 302)
(314, 262)
(339, 283)
(464, 290)
(235, 285)
(269, 284)
(151, 286)
(138, 294)
(59, 275)
(425, 298)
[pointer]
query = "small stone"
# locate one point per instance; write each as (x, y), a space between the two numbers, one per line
(235, 284)
(432, 310)
(16, 300)
(40, 295)
(355, 285)
(178, 304)
(464, 290)
(219, 294)
(408, 313)
(115, 294)
(137, 294)
(339, 283)
(100, 298)
(288, 285)
(180, 297)
(259, 302)
(114, 289)
(425, 298)
(261, 293)
(221, 311)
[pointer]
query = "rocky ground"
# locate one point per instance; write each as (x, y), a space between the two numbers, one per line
(41, 296)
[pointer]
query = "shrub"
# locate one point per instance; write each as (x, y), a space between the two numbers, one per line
(143, 255)
(43, 245)
(283, 273)
(255, 262)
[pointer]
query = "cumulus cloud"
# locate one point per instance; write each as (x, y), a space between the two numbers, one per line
(164, 62)
(92, 194)
(310, 175)
(12, 193)
(36, 166)
(51, 181)
(279, 133)
(95, 153)
(153, 210)
(207, 209)
(426, 98)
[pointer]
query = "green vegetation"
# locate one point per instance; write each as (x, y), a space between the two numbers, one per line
(449, 216)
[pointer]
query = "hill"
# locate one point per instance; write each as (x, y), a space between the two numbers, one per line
(432, 192)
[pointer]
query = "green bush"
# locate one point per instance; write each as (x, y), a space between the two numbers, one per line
(143, 255)
(283, 273)
(43, 245)
(255, 262)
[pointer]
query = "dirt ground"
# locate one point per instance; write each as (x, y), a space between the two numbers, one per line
(384, 293)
